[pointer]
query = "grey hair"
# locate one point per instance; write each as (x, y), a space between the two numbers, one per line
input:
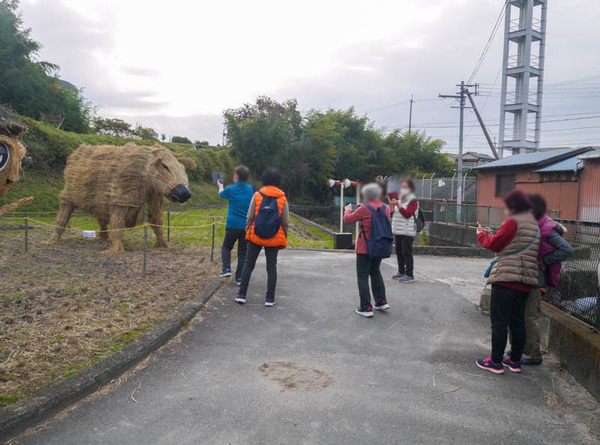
(371, 192)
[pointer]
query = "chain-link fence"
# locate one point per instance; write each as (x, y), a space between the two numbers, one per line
(469, 215)
(445, 188)
(578, 290)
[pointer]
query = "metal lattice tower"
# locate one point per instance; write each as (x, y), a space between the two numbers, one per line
(523, 75)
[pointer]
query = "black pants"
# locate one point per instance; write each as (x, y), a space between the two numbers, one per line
(231, 236)
(366, 268)
(404, 254)
(271, 254)
(507, 310)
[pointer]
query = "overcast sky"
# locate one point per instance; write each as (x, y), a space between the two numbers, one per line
(177, 65)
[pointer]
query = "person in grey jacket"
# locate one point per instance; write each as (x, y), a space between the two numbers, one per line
(404, 227)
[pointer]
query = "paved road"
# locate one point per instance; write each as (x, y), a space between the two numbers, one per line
(405, 376)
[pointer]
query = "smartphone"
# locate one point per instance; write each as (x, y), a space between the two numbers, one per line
(218, 176)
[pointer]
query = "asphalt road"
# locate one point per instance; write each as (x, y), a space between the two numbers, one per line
(310, 370)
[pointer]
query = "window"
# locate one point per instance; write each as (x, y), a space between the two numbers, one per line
(559, 177)
(504, 184)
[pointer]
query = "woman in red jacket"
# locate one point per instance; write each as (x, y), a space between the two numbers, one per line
(367, 267)
(512, 275)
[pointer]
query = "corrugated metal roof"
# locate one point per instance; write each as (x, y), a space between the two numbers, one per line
(571, 164)
(537, 159)
(590, 155)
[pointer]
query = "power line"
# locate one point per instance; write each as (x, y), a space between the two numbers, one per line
(489, 43)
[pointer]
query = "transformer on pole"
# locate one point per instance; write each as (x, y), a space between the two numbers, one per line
(522, 75)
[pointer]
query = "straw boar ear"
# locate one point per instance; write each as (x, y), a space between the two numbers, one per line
(188, 163)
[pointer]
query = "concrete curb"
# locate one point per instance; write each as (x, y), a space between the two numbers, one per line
(576, 345)
(16, 418)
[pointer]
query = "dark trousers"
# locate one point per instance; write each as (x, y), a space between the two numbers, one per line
(231, 237)
(366, 268)
(251, 257)
(404, 254)
(507, 310)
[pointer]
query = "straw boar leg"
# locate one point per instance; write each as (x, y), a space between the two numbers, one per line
(117, 224)
(103, 228)
(62, 220)
(155, 217)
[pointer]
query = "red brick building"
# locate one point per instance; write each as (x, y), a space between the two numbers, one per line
(569, 179)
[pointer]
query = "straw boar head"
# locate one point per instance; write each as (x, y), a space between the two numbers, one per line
(12, 153)
(168, 175)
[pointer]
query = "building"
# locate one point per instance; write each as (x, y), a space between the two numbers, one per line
(569, 179)
(471, 159)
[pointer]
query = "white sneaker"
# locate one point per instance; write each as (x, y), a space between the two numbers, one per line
(269, 303)
(240, 299)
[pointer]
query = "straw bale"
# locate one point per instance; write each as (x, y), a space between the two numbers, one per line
(114, 184)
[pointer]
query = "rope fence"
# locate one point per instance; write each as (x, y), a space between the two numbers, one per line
(217, 220)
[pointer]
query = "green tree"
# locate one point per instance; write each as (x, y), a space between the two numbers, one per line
(31, 86)
(180, 140)
(112, 127)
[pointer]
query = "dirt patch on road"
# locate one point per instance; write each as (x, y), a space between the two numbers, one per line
(293, 377)
(64, 307)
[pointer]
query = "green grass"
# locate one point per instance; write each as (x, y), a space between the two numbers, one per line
(188, 227)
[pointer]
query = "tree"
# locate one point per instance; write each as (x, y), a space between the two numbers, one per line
(163, 137)
(31, 86)
(145, 133)
(180, 140)
(112, 127)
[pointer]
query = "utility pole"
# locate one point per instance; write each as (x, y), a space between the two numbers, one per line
(461, 97)
(410, 115)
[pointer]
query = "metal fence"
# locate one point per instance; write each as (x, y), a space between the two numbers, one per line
(578, 291)
(469, 215)
(445, 188)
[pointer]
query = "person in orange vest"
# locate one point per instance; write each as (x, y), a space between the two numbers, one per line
(267, 226)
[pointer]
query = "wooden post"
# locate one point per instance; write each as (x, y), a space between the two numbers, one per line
(212, 249)
(145, 240)
(26, 232)
(168, 224)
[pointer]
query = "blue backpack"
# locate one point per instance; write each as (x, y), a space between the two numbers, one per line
(268, 220)
(382, 239)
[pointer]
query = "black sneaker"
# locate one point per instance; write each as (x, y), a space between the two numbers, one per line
(241, 299)
(513, 366)
(238, 281)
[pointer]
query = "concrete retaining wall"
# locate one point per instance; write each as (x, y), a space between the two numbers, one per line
(576, 345)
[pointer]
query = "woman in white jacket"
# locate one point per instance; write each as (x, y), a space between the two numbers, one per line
(404, 227)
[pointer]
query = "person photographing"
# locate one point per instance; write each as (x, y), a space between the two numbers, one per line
(239, 196)
(512, 275)
(404, 206)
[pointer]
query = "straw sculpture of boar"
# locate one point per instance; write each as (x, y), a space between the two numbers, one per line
(114, 184)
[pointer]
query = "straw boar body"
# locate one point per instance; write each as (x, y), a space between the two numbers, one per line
(114, 184)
